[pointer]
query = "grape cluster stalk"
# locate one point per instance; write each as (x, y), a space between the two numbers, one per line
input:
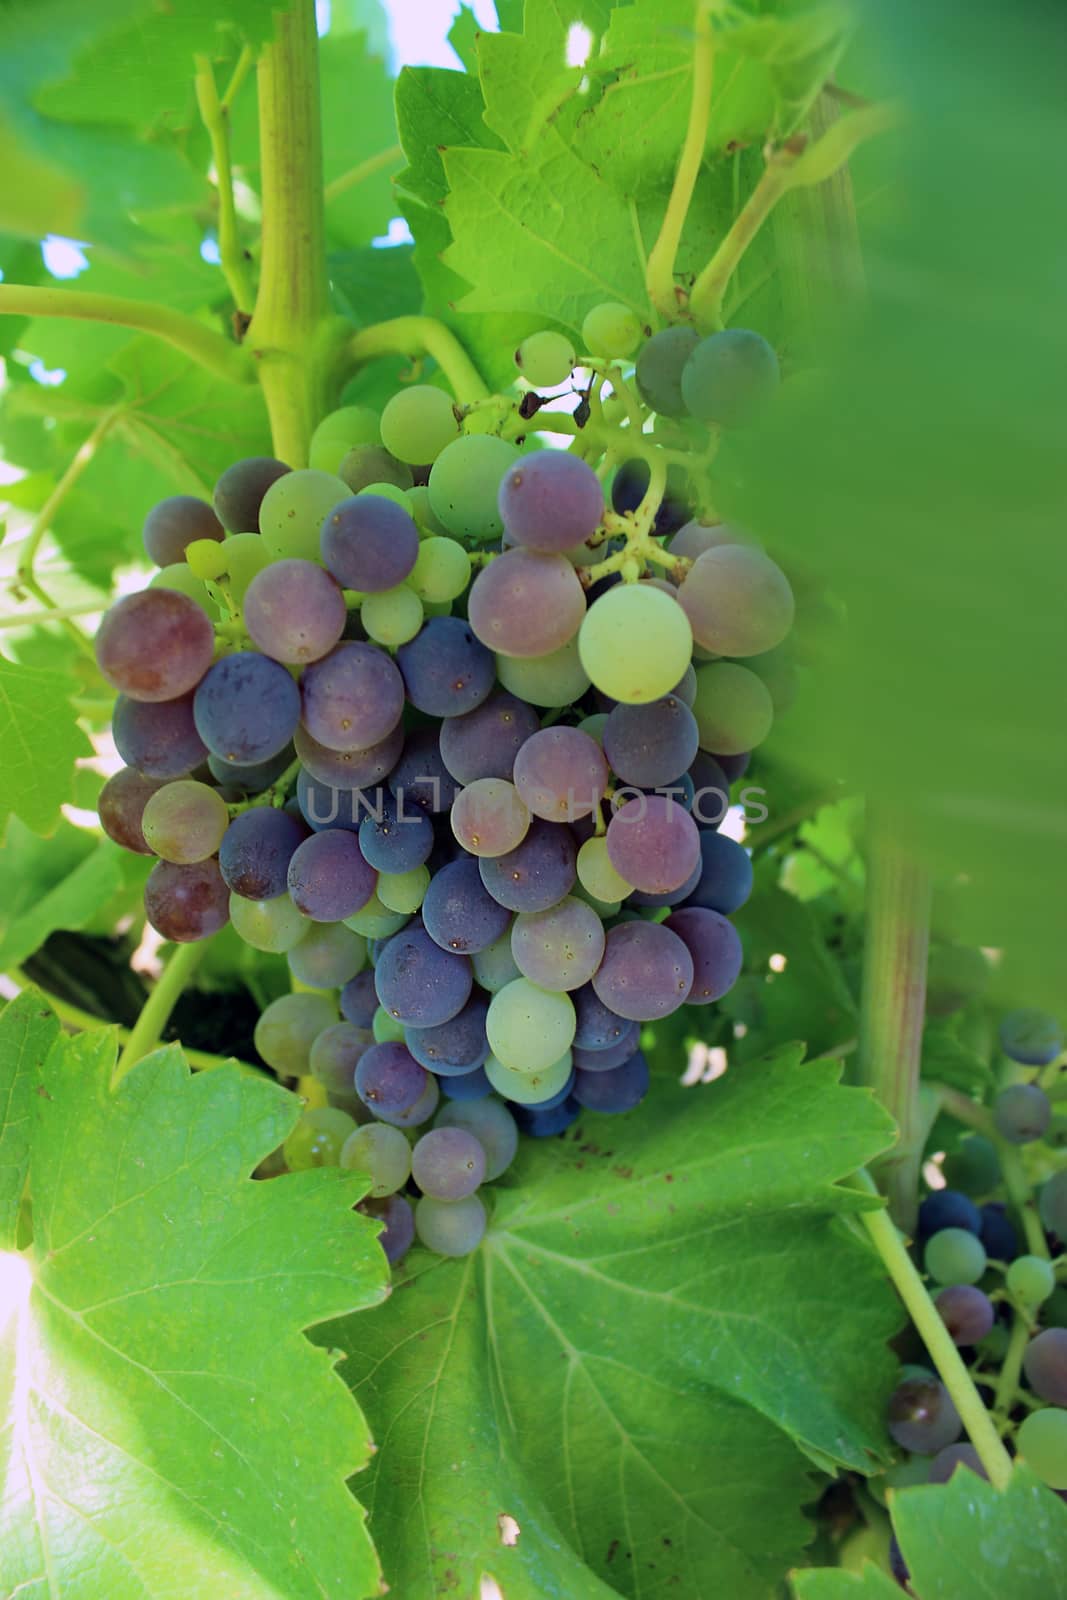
(450, 720)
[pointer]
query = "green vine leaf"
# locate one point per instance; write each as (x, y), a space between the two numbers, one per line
(162, 1411)
(72, 903)
(41, 740)
(28, 1029)
(661, 1311)
(831, 1583)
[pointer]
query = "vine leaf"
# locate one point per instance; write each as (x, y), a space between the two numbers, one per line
(71, 903)
(661, 1313)
(1015, 1542)
(162, 1411)
(41, 741)
(27, 1033)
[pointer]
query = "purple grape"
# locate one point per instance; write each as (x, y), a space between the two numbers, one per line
(628, 490)
(715, 948)
(359, 999)
(725, 881)
(561, 774)
(448, 1163)
(559, 948)
(454, 1048)
(120, 808)
(256, 850)
(672, 897)
(239, 492)
(947, 1208)
(967, 1313)
(369, 543)
(459, 913)
(253, 779)
(653, 843)
(420, 776)
(186, 903)
(539, 1123)
(1022, 1113)
(734, 766)
(353, 698)
(598, 1027)
(1052, 1202)
(489, 817)
(447, 672)
(294, 611)
(619, 1089)
(398, 1235)
(328, 877)
(614, 1055)
(336, 1053)
(537, 873)
(953, 1456)
(646, 973)
(398, 837)
(526, 604)
(246, 708)
(172, 525)
(651, 745)
(711, 792)
(485, 742)
(1045, 1365)
(729, 378)
(323, 807)
(695, 537)
(156, 645)
(1031, 1037)
(158, 737)
(418, 983)
(372, 463)
(349, 770)
(551, 501)
(738, 601)
(467, 1086)
(389, 1079)
(922, 1417)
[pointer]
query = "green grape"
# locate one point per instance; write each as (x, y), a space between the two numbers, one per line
(529, 1088)
(403, 891)
(328, 956)
(635, 643)
(383, 1153)
(340, 432)
(611, 329)
(491, 1124)
(529, 1028)
(387, 491)
(614, 409)
(557, 679)
(450, 1227)
(1042, 1443)
(442, 569)
(375, 920)
(184, 821)
(418, 499)
(205, 558)
(545, 359)
(1030, 1280)
(417, 423)
(392, 617)
(180, 577)
(465, 485)
(289, 1027)
(293, 511)
(275, 926)
(954, 1256)
(603, 908)
(386, 1029)
(317, 1139)
(495, 965)
(597, 875)
(733, 708)
(437, 608)
(594, 726)
(1054, 1312)
(244, 555)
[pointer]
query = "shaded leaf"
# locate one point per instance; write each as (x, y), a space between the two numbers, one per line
(28, 1030)
(72, 903)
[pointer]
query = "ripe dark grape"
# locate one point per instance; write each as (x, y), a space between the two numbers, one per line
(467, 1087)
(174, 523)
(398, 1233)
(328, 877)
(359, 999)
(953, 1458)
(459, 913)
(159, 737)
(246, 708)
(456, 1047)
(418, 983)
(369, 543)
(598, 1027)
(651, 745)
(256, 850)
(715, 947)
(352, 698)
(537, 873)
(725, 881)
(646, 973)
(526, 603)
(539, 1123)
(922, 1417)
(1032, 1038)
(448, 1163)
(653, 843)
(484, 742)
(121, 808)
(396, 837)
(630, 484)
(155, 645)
(1022, 1113)
(239, 492)
(349, 770)
(186, 903)
(389, 1079)
(946, 1208)
(660, 362)
(419, 776)
(294, 611)
(551, 501)
(1045, 1365)
(619, 1089)
(998, 1235)
(966, 1312)
(446, 670)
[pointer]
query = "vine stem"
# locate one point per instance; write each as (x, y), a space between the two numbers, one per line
(421, 336)
(709, 291)
(1012, 1365)
(894, 1004)
(214, 114)
(155, 1013)
(924, 1314)
(200, 343)
(293, 298)
(359, 174)
(663, 292)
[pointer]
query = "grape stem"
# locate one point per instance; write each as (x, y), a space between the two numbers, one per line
(155, 1013)
(1011, 1367)
(292, 304)
(215, 115)
(894, 1004)
(184, 333)
(663, 292)
(421, 336)
(967, 1111)
(924, 1314)
(1021, 1197)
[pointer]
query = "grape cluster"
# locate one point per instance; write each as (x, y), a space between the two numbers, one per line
(456, 737)
(993, 1295)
